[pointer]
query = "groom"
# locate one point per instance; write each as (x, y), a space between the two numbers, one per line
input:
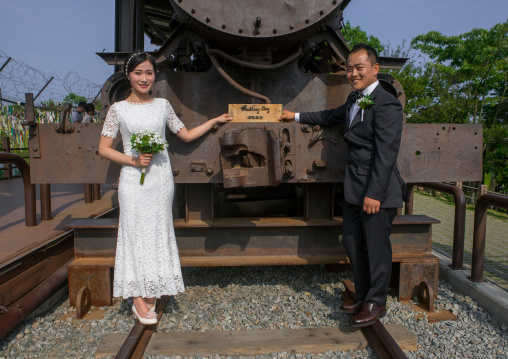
(373, 188)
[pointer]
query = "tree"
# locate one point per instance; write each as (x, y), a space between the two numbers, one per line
(74, 99)
(471, 65)
(354, 35)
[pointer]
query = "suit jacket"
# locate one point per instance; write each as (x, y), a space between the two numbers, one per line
(373, 146)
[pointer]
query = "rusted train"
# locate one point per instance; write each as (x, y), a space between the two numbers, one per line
(250, 193)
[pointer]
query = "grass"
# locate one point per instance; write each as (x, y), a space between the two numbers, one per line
(469, 207)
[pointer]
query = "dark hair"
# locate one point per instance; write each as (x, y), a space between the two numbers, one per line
(90, 107)
(371, 53)
(82, 104)
(135, 59)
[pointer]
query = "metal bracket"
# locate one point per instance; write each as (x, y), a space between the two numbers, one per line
(426, 296)
(198, 166)
(64, 126)
(83, 302)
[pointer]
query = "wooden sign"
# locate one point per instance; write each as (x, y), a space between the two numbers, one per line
(255, 112)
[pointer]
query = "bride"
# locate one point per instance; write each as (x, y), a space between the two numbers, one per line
(147, 265)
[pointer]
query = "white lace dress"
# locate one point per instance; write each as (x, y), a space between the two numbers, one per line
(147, 262)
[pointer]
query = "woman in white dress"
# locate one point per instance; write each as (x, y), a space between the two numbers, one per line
(147, 265)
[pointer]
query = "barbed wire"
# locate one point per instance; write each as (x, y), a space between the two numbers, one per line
(18, 78)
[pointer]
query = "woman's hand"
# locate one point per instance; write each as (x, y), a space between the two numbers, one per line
(222, 118)
(143, 160)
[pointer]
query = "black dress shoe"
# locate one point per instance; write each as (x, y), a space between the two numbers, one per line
(369, 314)
(351, 307)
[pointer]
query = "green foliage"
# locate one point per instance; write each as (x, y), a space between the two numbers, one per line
(495, 158)
(74, 99)
(469, 67)
(354, 35)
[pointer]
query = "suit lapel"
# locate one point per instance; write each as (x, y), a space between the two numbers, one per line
(358, 116)
(356, 119)
(348, 108)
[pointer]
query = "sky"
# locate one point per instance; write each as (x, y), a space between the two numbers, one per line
(64, 35)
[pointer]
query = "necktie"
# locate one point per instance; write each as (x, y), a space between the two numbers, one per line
(357, 95)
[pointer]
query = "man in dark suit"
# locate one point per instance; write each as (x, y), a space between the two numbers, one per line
(373, 188)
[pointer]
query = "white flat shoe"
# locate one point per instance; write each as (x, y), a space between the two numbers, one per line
(144, 321)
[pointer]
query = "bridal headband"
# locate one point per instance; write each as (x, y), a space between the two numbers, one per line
(134, 54)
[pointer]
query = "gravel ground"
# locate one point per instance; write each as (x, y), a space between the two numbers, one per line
(254, 298)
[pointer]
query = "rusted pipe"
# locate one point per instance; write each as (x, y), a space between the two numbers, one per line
(480, 229)
(459, 226)
(88, 193)
(32, 300)
(96, 191)
(278, 65)
(235, 84)
(45, 192)
(30, 217)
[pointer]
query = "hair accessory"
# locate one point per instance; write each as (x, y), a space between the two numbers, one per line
(134, 54)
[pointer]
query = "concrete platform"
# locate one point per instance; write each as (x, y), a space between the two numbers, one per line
(487, 294)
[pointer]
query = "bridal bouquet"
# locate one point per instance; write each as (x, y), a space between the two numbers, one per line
(149, 143)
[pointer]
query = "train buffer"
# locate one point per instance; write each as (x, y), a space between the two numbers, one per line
(268, 241)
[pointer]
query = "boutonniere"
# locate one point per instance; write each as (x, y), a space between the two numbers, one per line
(365, 102)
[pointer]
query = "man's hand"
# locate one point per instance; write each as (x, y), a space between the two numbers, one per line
(287, 116)
(370, 205)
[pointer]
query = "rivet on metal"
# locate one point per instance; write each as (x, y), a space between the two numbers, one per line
(223, 26)
(240, 31)
(321, 12)
(291, 27)
(207, 19)
(193, 11)
(307, 21)
(274, 31)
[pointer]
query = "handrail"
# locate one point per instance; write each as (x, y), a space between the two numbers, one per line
(30, 214)
(480, 230)
(459, 226)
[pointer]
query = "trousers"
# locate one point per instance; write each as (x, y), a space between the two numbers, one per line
(366, 238)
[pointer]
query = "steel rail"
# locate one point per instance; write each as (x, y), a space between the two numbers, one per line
(480, 230)
(376, 334)
(140, 335)
(459, 225)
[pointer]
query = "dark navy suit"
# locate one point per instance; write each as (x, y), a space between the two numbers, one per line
(371, 170)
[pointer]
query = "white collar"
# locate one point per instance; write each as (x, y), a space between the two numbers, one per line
(371, 88)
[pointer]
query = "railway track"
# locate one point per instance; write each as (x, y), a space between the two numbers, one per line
(378, 337)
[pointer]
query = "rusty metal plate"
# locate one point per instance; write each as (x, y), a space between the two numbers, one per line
(428, 154)
(441, 153)
(71, 157)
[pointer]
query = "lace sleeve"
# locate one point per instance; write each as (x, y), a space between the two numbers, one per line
(111, 124)
(172, 121)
